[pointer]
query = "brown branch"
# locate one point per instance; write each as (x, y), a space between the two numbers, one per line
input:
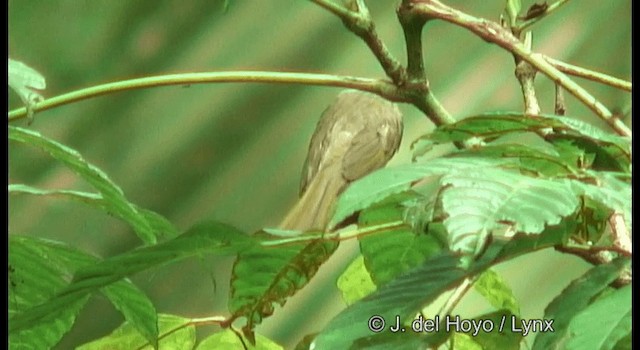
(494, 33)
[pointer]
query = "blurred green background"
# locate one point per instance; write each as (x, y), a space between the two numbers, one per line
(233, 152)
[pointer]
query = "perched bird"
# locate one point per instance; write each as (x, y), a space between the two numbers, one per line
(357, 134)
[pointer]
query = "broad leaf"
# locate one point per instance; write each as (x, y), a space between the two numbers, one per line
(574, 299)
(387, 181)
(136, 307)
(603, 323)
(392, 252)
(486, 201)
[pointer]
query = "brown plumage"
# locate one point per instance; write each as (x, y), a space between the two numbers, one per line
(357, 134)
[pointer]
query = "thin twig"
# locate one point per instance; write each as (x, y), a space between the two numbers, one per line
(359, 22)
(560, 106)
(495, 33)
(589, 74)
(383, 88)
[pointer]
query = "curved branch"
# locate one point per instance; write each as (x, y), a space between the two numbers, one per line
(381, 87)
(494, 33)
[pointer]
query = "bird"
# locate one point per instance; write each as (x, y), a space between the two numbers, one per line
(357, 133)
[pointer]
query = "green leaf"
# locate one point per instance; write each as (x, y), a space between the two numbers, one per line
(488, 200)
(490, 126)
(574, 299)
(355, 283)
(263, 276)
(24, 80)
(203, 238)
(387, 181)
(158, 223)
(531, 159)
(603, 323)
(113, 196)
(38, 269)
(409, 293)
(497, 292)
(175, 333)
(136, 307)
(496, 339)
(391, 252)
(228, 340)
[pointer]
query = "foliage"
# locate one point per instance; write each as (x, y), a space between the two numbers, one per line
(509, 184)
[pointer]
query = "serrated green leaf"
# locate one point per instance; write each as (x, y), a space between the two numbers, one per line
(37, 270)
(481, 201)
(136, 307)
(228, 340)
(387, 181)
(201, 239)
(490, 126)
(603, 323)
(158, 223)
(531, 159)
(575, 298)
(391, 252)
(113, 196)
(264, 276)
(497, 292)
(355, 282)
(592, 153)
(175, 333)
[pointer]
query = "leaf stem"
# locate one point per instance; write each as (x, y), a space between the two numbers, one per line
(383, 88)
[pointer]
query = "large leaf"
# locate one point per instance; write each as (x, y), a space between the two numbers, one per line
(387, 181)
(389, 253)
(175, 333)
(603, 323)
(264, 276)
(136, 307)
(203, 238)
(114, 198)
(37, 270)
(485, 201)
(576, 298)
